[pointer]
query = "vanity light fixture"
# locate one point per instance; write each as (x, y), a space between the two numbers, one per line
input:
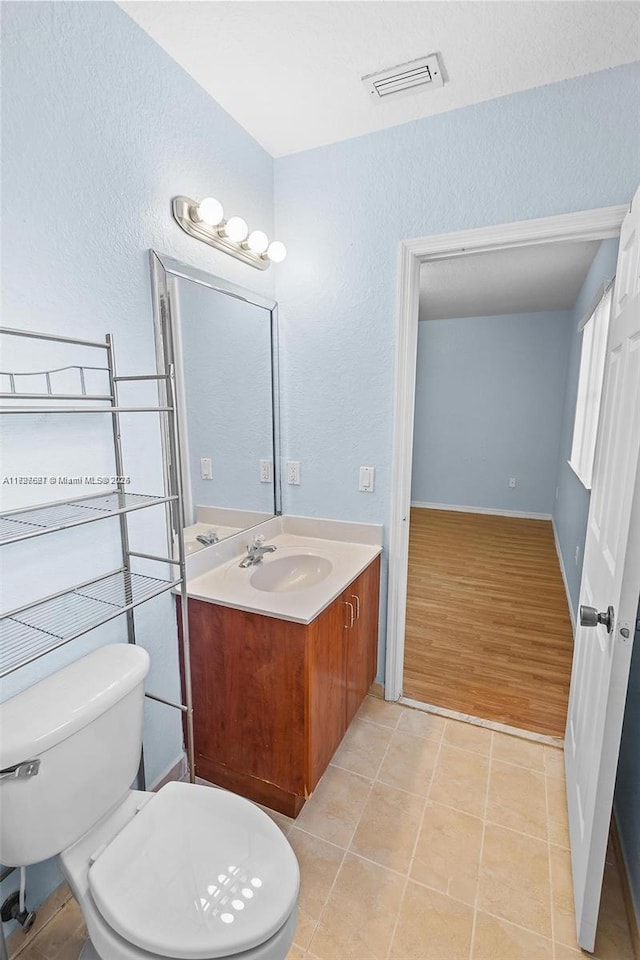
(204, 220)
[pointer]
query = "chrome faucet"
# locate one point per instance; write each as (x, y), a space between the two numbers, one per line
(208, 537)
(256, 551)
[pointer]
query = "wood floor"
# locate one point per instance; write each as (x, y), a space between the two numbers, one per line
(488, 630)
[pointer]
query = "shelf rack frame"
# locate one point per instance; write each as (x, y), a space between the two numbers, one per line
(35, 629)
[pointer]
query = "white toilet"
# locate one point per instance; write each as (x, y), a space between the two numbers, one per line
(188, 872)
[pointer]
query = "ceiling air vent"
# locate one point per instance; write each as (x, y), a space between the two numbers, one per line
(404, 79)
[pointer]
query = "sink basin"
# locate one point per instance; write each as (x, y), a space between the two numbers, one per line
(288, 574)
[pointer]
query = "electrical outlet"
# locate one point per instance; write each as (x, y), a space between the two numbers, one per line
(293, 472)
(206, 469)
(512, 481)
(266, 471)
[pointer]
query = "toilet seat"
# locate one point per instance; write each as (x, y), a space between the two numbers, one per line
(197, 873)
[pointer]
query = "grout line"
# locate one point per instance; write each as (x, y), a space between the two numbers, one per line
(454, 746)
(493, 725)
(370, 720)
(520, 766)
(373, 723)
(325, 904)
(464, 813)
(382, 866)
(314, 836)
(348, 845)
(427, 886)
(376, 776)
(496, 916)
(521, 833)
(413, 852)
(484, 827)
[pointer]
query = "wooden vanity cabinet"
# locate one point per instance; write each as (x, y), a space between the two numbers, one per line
(362, 650)
(272, 699)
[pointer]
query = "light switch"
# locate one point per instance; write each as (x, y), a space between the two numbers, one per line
(367, 479)
(206, 470)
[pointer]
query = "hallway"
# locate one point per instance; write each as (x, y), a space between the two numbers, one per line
(488, 631)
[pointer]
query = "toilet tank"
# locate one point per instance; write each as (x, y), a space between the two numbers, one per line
(84, 725)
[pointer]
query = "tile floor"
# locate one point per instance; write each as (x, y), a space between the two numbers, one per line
(427, 839)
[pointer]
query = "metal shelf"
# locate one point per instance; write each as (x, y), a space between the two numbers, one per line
(48, 393)
(31, 631)
(85, 409)
(23, 524)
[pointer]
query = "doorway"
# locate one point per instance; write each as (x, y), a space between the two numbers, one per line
(593, 225)
(488, 631)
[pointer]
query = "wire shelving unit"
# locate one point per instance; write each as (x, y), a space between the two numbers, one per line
(35, 629)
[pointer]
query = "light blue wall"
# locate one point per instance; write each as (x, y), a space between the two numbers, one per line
(572, 503)
(100, 129)
(489, 400)
(627, 796)
(342, 210)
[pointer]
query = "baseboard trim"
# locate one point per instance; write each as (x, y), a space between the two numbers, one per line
(19, 941)
(564, 576)
(480, 722)
(177, 771)
(522, 514)
(627, 896)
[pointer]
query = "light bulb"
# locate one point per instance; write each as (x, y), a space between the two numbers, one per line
(209, 211)
(236, 229)
(276, 251)
(257, 241)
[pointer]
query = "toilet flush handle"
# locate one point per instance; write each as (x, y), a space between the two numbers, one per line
(20, 771)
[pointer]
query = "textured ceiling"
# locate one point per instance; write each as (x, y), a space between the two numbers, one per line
(289, 72)
(519, 280)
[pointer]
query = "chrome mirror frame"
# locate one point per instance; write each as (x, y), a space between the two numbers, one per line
(164, 270)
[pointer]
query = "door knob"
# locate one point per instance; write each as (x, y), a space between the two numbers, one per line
(589, 617)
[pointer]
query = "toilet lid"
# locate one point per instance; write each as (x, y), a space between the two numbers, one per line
(197, 873)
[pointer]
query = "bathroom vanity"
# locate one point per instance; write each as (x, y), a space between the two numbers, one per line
(278, 674)
(281, 652)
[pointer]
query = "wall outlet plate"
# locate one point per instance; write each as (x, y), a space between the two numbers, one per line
(293, 472)
(266, 471)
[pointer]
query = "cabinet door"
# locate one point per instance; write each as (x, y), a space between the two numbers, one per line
(326, 687)
(248, 693)
(362, 639)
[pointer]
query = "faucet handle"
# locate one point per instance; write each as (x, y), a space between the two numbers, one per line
(255, 544)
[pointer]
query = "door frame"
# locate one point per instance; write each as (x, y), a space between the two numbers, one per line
(598, 224)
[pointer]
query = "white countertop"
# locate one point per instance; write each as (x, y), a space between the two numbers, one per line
(229, 585)
(190, 535)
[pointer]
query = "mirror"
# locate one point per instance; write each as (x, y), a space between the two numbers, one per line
(222, 340)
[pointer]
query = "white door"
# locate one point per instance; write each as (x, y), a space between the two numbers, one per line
(610, 579)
